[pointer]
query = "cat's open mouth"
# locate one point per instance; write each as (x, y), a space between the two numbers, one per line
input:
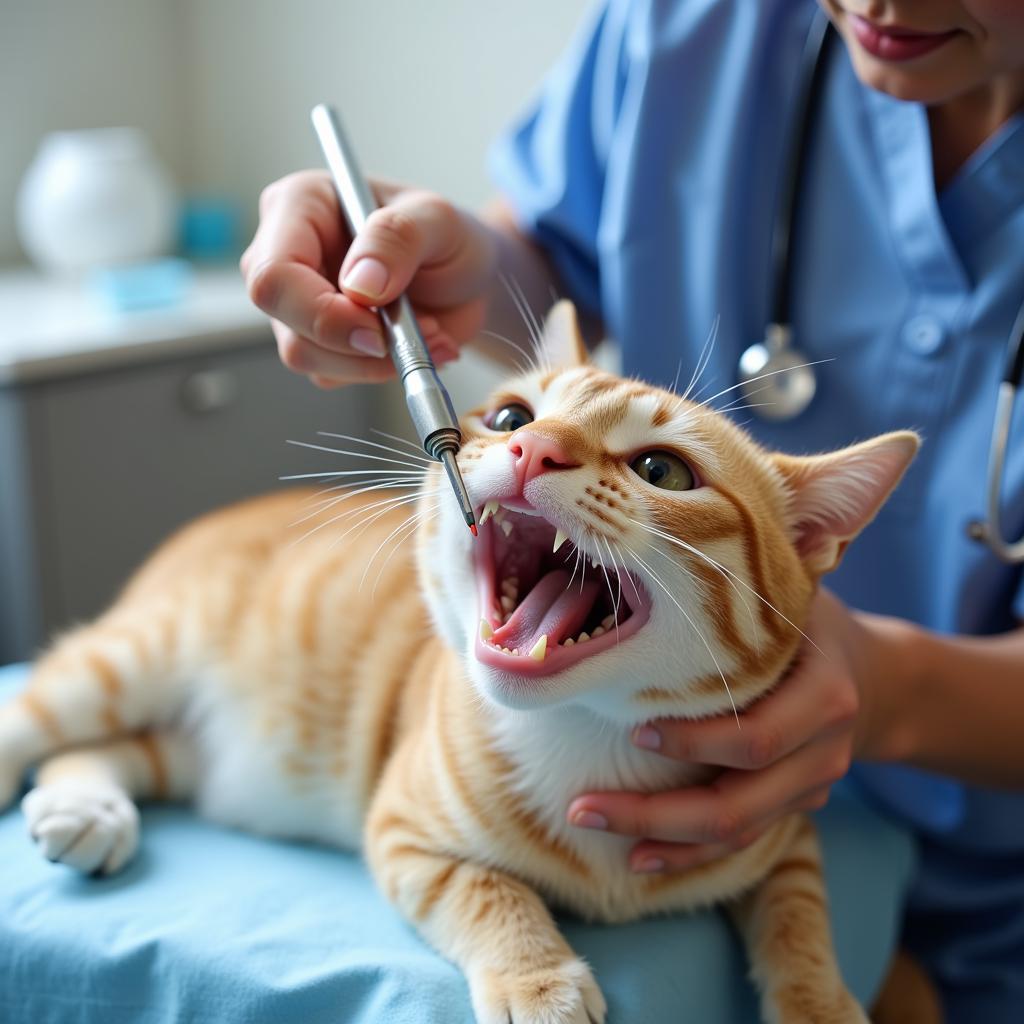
(544, 610)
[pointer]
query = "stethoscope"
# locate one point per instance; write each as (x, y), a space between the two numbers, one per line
(779, 380)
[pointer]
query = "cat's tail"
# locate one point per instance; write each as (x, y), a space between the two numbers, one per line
(109, 679)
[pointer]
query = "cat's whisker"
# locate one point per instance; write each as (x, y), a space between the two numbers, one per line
(632, 583)
(763, 376)
(703, 359)
(328, 503)
(361, 527)
(351, 472)
(358, 455)
(530, 366)
(615, 599)
(398, 500)
(374, 444)
(412, 524)
(418, 448)
(608, 582)
(657, 579)
(523, 308)
(388, 481)
(412, 520)
(725, 569)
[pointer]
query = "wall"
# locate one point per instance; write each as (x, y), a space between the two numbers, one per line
(224, 87)
(67, 64)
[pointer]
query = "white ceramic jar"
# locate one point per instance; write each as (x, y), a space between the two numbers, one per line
(95, 199)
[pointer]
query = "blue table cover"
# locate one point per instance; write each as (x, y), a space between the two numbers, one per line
(211, 925)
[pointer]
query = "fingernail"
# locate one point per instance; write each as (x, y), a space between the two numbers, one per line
(590, 819)
(647, 737)
(369, 277)
(369, 342)
(649, 865)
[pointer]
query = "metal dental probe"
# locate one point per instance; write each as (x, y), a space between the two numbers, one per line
(429, 405)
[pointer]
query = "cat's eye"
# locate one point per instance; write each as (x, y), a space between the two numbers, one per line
(510, 417)
(664, 470)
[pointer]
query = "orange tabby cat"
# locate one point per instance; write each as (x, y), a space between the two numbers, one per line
(638, 556)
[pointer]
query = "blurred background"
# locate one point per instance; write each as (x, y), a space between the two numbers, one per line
(138, 387)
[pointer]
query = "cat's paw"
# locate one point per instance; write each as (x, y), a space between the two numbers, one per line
(89, 826)
(563, 994)
(812, 1004)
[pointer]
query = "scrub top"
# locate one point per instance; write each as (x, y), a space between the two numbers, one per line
(648, 168)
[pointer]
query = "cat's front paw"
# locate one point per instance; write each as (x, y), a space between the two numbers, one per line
(563, 994)
(811, 1004)
(89, 826)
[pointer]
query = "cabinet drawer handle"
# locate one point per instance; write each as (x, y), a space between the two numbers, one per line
(207, 391)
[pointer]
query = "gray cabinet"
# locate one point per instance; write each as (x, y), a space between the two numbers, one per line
(98, 466)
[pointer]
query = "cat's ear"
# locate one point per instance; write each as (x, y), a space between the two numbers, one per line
(561, 341)
(834, 496)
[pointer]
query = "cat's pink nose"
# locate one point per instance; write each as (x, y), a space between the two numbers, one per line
(535, 454)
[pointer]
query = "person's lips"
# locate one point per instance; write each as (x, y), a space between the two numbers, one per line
(894, 42)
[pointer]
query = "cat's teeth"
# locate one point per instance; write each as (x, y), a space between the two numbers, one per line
(486, 630)
(600, 631)
(560, 539)
(507, 602)
(540, 648)
(506, 526)
(489, 509)
(593, 561)
(508, 588)
(608, 621)
(568, 642)
(506, 650)
(583, 637)
(515, 651)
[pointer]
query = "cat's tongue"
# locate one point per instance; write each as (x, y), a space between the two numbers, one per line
(551, 609)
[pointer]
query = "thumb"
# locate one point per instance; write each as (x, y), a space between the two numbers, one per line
(415, 229)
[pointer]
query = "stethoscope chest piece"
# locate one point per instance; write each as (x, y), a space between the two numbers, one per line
(775, 378)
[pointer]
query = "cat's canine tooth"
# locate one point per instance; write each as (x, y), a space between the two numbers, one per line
(506, 526)
(583, 637)
(490, 508)
(540, 648)
(599, 631)
(560, 539)
(486, 630)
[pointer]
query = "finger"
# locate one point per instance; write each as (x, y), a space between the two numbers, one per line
(301, 355)
(814, 700)
(327, 369)
(417, 234)
(717, 813)
(652, 857)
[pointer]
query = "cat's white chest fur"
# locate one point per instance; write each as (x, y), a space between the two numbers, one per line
(562, 753)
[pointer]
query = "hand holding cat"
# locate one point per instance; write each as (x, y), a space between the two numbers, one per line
(792, 746)
(318, 286)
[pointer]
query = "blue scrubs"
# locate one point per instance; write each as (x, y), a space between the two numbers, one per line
(648, 167)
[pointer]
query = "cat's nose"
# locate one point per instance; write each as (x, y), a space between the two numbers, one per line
(535, 454)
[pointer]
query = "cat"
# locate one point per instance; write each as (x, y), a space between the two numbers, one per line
(639, 556)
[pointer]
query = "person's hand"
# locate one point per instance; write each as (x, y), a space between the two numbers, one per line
(318, 287)
(792, 746)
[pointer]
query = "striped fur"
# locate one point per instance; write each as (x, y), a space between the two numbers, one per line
(258, 678)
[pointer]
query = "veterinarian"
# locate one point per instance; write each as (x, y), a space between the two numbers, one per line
(643, 183)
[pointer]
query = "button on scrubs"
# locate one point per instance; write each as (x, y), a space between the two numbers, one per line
(648, 167)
